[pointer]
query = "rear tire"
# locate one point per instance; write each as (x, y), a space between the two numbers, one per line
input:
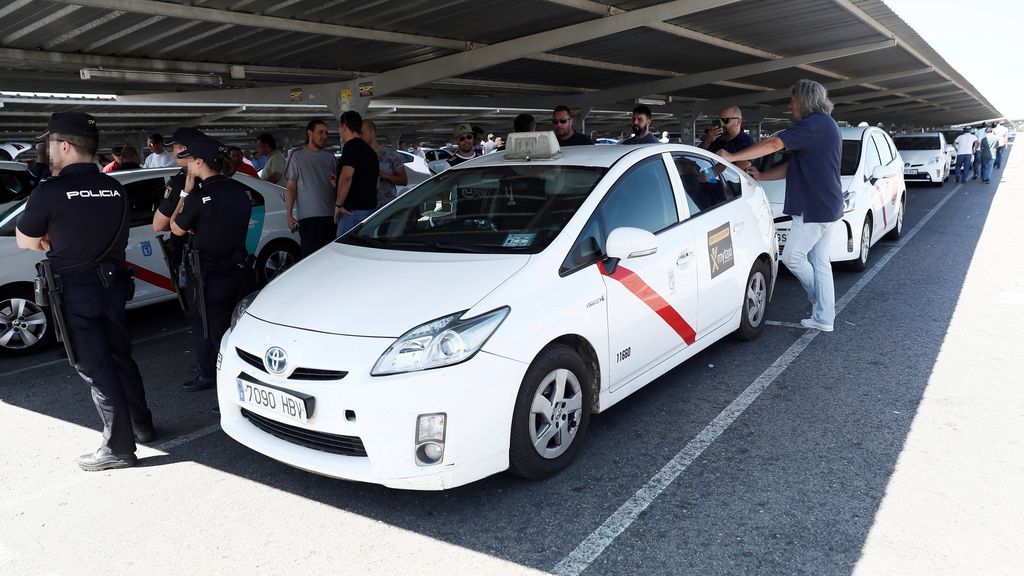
(551, 414)
(275, 258)
(25, 328)
(755, 302)
(897, 230)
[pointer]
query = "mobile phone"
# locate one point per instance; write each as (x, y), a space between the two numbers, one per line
(716, 123)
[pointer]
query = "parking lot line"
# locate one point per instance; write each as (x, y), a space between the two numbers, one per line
(64, 360)
(598, 541)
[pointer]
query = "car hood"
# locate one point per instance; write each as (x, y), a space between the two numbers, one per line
(8, 246)
(358, 291)
(920, 156)
(775, 190)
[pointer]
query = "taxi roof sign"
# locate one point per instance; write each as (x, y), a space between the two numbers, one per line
(532, 146)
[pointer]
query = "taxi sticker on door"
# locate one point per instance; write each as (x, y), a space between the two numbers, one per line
(720, 249)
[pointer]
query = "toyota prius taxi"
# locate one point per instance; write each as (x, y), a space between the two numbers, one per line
(474, 324)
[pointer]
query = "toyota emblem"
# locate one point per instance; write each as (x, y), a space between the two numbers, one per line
(276, 360)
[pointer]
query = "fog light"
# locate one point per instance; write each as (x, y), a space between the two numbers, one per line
(430, 433)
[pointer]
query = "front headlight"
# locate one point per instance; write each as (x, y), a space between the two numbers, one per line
(442, 342)
(849, 201)
(241, 307)
(935, 160)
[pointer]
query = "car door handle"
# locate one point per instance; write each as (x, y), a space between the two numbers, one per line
(737, 226)
(684, 258)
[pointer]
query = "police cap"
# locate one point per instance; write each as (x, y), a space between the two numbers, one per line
(71, 124)
(204, 147)
(182, 136)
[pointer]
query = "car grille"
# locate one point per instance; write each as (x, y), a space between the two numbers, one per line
(333, 443)
(298, 374)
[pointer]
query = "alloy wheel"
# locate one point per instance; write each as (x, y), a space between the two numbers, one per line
(22, 323)
(556, 413)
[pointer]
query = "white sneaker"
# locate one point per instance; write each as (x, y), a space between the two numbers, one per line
(812, 323)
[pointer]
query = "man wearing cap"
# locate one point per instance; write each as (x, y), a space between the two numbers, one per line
(115, 151)
(80, 218)
(463, 137)
(160, 157)
(358, 172)
(215, 217)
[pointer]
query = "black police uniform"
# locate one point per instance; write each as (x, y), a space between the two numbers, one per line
(172, 194)
(84, 214)
(217, 212)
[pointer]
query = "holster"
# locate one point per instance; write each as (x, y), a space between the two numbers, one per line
(50, 290)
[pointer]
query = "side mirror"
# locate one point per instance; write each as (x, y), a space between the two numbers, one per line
(882, 172)
(625, 243)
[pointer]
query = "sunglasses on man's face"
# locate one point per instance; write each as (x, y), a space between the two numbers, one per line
(465, 137)
(559, 120)
(726, 119)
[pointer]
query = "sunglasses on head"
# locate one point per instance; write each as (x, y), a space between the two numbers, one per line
(559, 120)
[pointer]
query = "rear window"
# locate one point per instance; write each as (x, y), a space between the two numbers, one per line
(917, 142)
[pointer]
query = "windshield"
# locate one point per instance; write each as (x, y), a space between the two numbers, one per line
(489, 209)
(916, 142)
(9, 218)
(847, 166)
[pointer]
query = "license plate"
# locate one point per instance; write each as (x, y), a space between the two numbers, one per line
(912, 171)
(272, 399)
(781, 237)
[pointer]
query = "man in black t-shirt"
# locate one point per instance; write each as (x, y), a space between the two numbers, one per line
(80, 218)
(561, 121)
(358, 171)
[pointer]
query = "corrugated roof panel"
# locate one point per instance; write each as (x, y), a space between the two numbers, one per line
(657, 49)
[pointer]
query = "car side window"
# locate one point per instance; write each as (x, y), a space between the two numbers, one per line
(884, 152)
(143, 198)
(703, 184)
(642, 198)
(870, 156)
(10, 187)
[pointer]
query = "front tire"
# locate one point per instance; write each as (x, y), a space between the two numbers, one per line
(861, 262)
(755, 302)
(551, 414)
(25, 328)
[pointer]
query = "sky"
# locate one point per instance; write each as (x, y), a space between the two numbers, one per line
(979, 38)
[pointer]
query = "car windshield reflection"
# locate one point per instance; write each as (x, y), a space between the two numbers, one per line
(489, 209)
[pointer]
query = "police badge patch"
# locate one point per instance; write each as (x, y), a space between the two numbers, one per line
(167, 191)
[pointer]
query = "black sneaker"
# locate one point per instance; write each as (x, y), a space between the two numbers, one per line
(197, 384)
(103, 459)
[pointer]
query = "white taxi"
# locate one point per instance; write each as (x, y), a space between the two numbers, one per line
(874, 195)
(474, 324)
(25, 328)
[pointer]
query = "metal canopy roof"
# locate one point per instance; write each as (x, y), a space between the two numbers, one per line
(238, 67)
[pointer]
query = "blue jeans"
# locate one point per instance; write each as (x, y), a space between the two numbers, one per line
(986, 170)
(963, 166)
(349, 221)
(806, 256)
(976, 166)
(1000, 154)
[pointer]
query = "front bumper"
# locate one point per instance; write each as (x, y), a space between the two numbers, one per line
(379, 412)
(931, 173)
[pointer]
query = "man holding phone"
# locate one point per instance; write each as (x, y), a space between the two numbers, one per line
(726, 132)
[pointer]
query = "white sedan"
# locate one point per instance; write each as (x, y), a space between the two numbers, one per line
(26, 328)
(538, 286)
(874, 195)
(925, 157)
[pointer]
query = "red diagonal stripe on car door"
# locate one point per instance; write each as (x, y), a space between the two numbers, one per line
(147, 275)
(632, 282)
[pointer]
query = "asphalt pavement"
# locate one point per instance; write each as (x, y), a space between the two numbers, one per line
(890, 446)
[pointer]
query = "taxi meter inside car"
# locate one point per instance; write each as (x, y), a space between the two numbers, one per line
(474, 324)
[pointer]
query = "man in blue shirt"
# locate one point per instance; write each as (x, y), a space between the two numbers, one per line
(642, 127)
(814, 195)
(727, 134)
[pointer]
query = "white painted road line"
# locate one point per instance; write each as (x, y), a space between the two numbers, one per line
(796, 325)
(65, 360)
(598, 541)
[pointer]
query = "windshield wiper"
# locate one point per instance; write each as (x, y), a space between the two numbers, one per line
(365, 241)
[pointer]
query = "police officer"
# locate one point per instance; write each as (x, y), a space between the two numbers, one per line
(216, 217)
(173, 198)
(80, 218)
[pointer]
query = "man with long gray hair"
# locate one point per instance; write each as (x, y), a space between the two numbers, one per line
(814, 195)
